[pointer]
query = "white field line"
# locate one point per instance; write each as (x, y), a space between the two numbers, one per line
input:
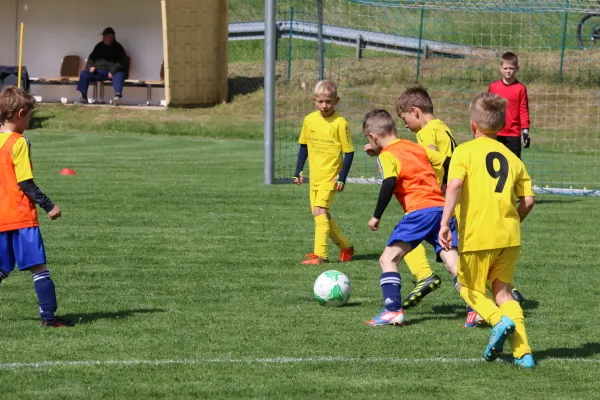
(278, 360)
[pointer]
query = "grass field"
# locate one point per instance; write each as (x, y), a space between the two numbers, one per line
(181, 269)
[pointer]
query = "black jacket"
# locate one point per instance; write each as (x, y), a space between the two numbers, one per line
(111, 57)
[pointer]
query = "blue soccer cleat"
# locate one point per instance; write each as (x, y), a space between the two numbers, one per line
(525, 362)
(387, 318)
(500, 332)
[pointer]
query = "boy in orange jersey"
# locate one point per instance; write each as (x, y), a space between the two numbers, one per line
(408, 173)
(324, 138)
(20, 238)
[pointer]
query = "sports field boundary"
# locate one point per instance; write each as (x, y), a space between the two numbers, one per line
(274, 360)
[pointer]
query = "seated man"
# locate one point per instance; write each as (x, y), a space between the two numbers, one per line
(107, 62)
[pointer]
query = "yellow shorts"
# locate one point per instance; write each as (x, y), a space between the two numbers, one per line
(321, 198)
(475, 268)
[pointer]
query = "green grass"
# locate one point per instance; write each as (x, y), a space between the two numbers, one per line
(171, 248)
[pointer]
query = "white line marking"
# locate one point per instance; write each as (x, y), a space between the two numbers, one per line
(277, 360)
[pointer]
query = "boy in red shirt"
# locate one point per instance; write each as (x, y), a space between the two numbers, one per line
(517, 111)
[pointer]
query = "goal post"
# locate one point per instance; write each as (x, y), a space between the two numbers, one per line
(374, 49)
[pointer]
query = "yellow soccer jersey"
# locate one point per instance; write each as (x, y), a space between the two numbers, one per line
(492, 176)
(20, 156)
(326, 139)
(437, 134)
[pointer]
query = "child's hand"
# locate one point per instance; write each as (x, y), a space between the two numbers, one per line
(299, 180)
(370, 152)
(374, 224)
(445, 237)
(54, 213)
(526, 138)
(339, 186)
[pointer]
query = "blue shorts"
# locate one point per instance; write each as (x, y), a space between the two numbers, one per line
(24, 247)
(423, 225)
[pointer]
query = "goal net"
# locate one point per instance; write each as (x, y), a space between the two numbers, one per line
(374, 49)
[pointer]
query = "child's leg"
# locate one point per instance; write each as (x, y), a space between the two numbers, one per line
(321, 232)
(503, 294)
(473, 267)
(46, 294)
(336, 235)
(417, 263)
(390, 278)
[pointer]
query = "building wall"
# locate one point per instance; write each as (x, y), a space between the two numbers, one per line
(8, 33)
(55, 28)
(196, 35)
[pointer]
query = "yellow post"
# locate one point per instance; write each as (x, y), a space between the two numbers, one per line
(20, 56)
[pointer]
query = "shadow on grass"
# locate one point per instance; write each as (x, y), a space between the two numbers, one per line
(584, 351)
(366, 257)
(241, 85)
(94, 316)
(37, 121)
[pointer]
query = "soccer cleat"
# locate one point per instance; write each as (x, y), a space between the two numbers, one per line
(346, 254)
(56, 323)
(525, 362)
(422, 289)
(500, 332)
(471, 321)
(386, 317)
(313, 259)
(517, 295)
(117, 100)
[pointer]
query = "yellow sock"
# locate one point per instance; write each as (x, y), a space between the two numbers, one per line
(337, 236)
(417, 263)
(518, 340)
(483, 304)
(321, 235)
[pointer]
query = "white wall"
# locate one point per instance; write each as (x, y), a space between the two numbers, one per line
(55, 28)
(8, 38)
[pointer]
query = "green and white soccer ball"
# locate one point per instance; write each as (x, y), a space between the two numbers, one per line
(332, 289)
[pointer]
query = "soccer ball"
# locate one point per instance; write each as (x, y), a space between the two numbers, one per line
(332, 289)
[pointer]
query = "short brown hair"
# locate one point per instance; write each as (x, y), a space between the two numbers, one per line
(13, 99)
(326, 86)
(488, 111)
(379, 121)
(414, 97)
(510, 58)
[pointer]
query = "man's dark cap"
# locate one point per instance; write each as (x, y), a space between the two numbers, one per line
(108, 31)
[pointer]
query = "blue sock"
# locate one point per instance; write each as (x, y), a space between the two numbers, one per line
(44, 288)
(455, 279)
(390, 286)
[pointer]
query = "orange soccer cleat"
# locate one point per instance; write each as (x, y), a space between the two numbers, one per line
(313, 259)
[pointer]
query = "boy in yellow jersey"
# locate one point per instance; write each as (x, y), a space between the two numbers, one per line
(415, 108)
(483, 181)
(324, 138)
(407, 171)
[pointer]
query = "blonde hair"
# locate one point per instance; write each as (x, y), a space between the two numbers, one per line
(414, 97)
(488, 112)
(379, 122)
(12, 100)
(326, 86)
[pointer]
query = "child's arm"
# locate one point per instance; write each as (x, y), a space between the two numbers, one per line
(526, 204)
(524, 117)
(452, 193)
(302, 154)
(390, 169)
(348, 149)
(24, 174)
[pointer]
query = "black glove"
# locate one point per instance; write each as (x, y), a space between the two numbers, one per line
(526, 138)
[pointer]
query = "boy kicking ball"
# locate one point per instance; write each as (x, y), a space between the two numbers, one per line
(408, 173)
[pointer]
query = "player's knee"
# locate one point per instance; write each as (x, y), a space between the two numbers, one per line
(38, 268)
(319, 211)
